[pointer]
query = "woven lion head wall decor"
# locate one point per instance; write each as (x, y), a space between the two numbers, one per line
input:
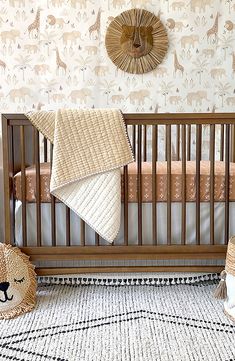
(136, 41)
(17, 282)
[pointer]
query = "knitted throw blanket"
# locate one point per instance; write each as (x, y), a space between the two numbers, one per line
(90, 146)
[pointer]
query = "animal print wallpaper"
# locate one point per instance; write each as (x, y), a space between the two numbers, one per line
(52, 55)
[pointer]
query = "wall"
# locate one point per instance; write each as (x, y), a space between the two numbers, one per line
(200, 79)
(197, 74)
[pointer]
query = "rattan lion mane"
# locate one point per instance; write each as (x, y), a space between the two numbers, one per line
(136, 41)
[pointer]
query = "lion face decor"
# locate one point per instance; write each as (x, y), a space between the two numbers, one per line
(136, 41)
(17, 282)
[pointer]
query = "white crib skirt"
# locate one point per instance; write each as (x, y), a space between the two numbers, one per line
(219, 217)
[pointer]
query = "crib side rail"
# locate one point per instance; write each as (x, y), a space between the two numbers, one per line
(149, 118)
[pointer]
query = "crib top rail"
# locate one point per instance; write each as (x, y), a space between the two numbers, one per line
(16, 119)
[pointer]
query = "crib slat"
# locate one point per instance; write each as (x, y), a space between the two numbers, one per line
(125, 174)
(51, 154)
(11, 131)
(7, 170)
(165, 143)
(154, 191)
(198, 159)
(97, 239)
(38, 187)
(134, 140)
(222, 142)
(232, 155)
(178, 142)
(189, 142)
(68, 232)
(139, 184)
(53, 215)
(212, 185)
(23, 186)
(183, 194)
(45, 148)
(145, 144)
(227, 149)
(53, 222)
(82, 232)
(168, 144)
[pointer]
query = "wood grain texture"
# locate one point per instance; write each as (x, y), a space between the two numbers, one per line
(227, 160)
(7, 179)
(183, 194)
(67, 217)
(160, 249)
(125, 174)
(168, 152)
(83, 270)
(151, 118)
(154, 182)
(212, 183)
(198, 177)
(38, 187)
(139, 184)
(23, 185)
(53, 211)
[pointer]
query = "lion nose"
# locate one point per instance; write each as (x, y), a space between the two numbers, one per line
(136, 45)
(4, 286)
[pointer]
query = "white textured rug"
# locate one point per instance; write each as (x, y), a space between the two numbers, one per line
(121, 323)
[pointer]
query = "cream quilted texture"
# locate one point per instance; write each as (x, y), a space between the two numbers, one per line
(90, 146)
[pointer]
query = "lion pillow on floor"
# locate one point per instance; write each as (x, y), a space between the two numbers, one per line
(17, 282)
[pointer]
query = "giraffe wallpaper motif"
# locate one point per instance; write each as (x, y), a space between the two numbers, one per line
(52, 55)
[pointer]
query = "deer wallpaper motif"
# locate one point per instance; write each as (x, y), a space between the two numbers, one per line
(52, 55)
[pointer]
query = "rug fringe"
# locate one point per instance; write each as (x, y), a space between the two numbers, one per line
(156, 281)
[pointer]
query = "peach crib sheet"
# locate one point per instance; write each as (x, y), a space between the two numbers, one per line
(161, 182)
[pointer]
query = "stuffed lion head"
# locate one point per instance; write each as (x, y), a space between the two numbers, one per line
(17, 282)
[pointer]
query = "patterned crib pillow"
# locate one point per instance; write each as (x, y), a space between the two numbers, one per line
(17, 282)
(226, 288)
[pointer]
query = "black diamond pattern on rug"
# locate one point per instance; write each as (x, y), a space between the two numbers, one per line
(162, 328)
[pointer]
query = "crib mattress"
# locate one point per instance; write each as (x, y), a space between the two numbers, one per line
(161, 182)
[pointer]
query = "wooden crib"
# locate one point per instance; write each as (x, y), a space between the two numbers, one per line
(21, 149)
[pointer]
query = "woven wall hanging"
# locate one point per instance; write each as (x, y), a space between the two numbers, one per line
(136, 41)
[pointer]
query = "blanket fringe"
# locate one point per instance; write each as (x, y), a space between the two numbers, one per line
(156, 281)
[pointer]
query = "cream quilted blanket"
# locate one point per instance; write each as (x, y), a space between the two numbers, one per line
(90, 146)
